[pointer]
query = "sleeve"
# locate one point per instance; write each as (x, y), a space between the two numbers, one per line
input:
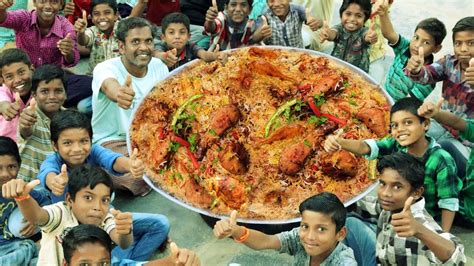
(5, 94)
(448, 184)
(90, 35)
(160, 46)
(457, 258)
(220, 24)
(339, 30)
(430, 74)
(468, 134)
(55, 214)
(380, 147)
(105, 158)
(289, 241)
(401, 45)
(301, 12)
(69, 29)
(50, 165)
(41, 196)
(195, 49)
(16, 20)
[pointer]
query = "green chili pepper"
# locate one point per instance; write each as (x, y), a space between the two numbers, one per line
(278, 112)
(181, 109)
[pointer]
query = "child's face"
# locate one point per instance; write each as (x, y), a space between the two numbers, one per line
(50, 96)
(74, 145)
(318, 234)
(8, 168)
(353, 18)
(238, 10)
(464, 47)
(104, 17)
(394, 190)
(422, 38)
(47, 10)
(279, 7)
(176, 36)
(17, 77)
(90, 205)
(90, 254)
(407, 129)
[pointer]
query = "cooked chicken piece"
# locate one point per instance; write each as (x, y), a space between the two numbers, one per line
(231, 191)
(341, 164)
(196, 193)
(284, 132)
(374, 119)
(234, 158)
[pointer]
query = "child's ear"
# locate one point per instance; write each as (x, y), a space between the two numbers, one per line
(426, 124)
(69, 199)
(55, 145)
(162, 36)
(341, 234)
(437, 48)
(418, 193)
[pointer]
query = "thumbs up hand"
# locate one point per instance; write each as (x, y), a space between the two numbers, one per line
(123, 222)
(325, 32)
(469, 75)
(59, 182)
(226, 227)
(69, 8)
(66, 45)
(28, 116)
(182, 256)
(331, 144)
(429, 109)
(371, 35)
(263, 32)
(314, 24)
(18, 188)
(170, 57)
(80, 25)
(137, 167)
(404, 224)
(416, 62)
(4, 4)
(12, 109)
(212, 12)
(125, 94)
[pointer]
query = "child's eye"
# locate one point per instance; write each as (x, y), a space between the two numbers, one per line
(13, 167)
(88, 198)
(426, 43)
(321, 229)
(408, 122)
(304, 226)
(393, 126)
(66, 143)
(106, 200)
(397, 187)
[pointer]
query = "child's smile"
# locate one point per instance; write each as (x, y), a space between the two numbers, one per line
(406, 128)
(353, 18)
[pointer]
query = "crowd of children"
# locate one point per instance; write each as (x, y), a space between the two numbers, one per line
(59, 167)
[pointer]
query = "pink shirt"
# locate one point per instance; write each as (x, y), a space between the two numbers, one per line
(41, 49)
(9, 128)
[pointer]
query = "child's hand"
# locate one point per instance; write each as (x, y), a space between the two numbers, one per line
(59, 182)
(182, 256)
(170, 57)
(125, 94)
(380, 7)
(263, 32)
(404, 224)
(80, 25)
(416, 62)
(331, 144)
(66, 45)
(324, 33)
(18, 188)
(314, 24)
(429, 109)
(4, 4)
(69, 8)
(371, 35)
(28, 230)
(137, 167)
(212, 12)
(123, 222)
(28, 117)
(13, 109)
(469, 75)
(225, 228)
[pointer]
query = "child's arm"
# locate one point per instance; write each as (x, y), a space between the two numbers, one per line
(10, 110)
(122, 234)
(431, 110)
(80, 27)
(211, 15)
(178, 256)
(20, 191)
(138, 9)
(3, 9)
(251, 238)
(326, 33)
(405, 225)
(335, 142)
(27, 120)
(370, 36)
(209, 56)
(386, 24)
(134, 165)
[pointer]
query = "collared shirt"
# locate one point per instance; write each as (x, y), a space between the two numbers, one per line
(41, 49)
(103, 47)
(394, 250)
(290, 243)
(35, 148)
(230, 35)
(60, 219)
(10, 128)
(397, 84)
(442, 185)
(288, 32)
(352, 47)
(467, 193)
(190, 52)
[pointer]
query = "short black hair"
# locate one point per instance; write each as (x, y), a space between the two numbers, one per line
(111, 3)
(87, 176)
(328, 204)
(131, 23)
(9, 147)
(365, 5)
(408, 104)
(47, 73)
(464, 24)
(407, 167)
(175, 17)
(82, 234)
(67, 119)
(14, 55)
(250, 2)
(433, 27)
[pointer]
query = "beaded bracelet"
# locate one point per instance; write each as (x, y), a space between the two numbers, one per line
(244, 236)
(22, 198)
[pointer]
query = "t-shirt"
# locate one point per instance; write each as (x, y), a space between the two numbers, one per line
(290, 243)
(110, 122)
(99, 156)
(10, 128)
(467, 193)
(102, 47)
(61, 217)
(352, 47)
